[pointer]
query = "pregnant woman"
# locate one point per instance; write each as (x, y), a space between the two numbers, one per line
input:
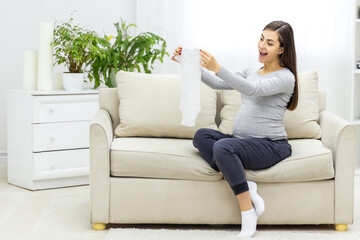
(259, 139)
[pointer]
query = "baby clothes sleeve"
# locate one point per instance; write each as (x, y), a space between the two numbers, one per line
(190, 85)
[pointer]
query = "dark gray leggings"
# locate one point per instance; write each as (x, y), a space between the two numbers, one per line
(231, 155)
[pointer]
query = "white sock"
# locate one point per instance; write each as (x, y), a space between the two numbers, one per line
(248, 223)
(257, 201)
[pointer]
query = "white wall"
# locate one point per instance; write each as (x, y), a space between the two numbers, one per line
(229, 29)
(19, 22)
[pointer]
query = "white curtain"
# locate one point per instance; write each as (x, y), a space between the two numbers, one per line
(230, 29)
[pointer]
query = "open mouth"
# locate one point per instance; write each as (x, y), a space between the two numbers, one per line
(263, 54)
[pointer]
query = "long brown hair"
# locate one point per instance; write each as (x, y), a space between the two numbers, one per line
(288, 57)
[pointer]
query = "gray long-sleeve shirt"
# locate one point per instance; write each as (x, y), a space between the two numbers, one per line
(264, 100)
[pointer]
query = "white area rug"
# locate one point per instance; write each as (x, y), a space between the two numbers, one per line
(166, 234)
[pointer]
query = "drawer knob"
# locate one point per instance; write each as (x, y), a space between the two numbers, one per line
(52, 109)
(52, 137)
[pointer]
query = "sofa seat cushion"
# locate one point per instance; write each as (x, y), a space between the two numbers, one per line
(174, 158)
(171, 158)
(310, 161)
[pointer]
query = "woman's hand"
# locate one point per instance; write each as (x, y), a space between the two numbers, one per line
(208, 61)
(177, 52)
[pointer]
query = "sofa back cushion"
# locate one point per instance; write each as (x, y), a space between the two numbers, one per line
(231, 101)
(300, 123)
(149, 106)
(303, 121)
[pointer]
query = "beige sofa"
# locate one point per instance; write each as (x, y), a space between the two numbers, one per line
(144, 168)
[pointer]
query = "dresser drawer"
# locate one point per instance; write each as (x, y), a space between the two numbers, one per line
(64, 108)
(57, 136)
(61, 164)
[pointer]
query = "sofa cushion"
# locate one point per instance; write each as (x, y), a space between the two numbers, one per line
(300, 123)
(173, 158)
(303, 121)
(149, 106)
(310, 160)
(159, 158)
(231, 100)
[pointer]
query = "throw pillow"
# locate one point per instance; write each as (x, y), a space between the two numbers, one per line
(303, 121)
(149, 106)
(231, 100)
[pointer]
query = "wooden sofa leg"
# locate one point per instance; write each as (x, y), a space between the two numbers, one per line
(341, 227)
(99, 226)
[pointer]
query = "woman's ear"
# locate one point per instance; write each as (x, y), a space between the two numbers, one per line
(281, 51)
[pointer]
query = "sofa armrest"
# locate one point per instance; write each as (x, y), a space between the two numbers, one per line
(101, 137)
(339, 136)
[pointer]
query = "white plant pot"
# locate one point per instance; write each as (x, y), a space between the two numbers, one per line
(73, 81)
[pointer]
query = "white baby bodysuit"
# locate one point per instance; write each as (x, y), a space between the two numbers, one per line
(190, 85)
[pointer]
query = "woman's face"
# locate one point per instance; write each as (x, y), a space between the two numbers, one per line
(269, 47)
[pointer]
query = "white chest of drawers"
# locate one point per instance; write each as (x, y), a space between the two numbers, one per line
(48, 137)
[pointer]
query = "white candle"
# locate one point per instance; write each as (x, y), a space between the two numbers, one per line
(30, 70)
(45, 56)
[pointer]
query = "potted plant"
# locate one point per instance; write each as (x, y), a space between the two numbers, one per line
(127, 53)
(75, 47)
